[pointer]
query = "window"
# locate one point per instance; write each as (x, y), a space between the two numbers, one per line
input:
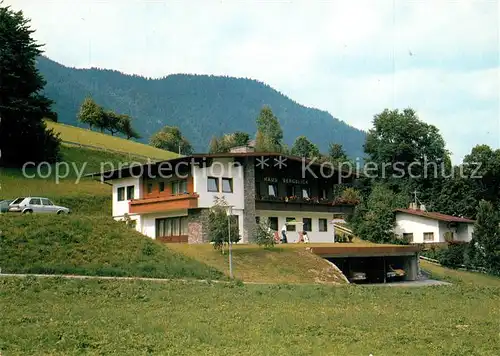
(150, 188)
(18, 201)
(121, 194)
(305, 193)
(179, 187)
(227, 185)
(257, 220)
(273, 223)
(171, 226)
(307, 224)
(272, 190)
(408, 236)
(46, 202)
(323, 224)
(35, 201)
(290, 190)
(257, 189)
(428, 236)
(161, 186)
(130, 192)
(290, 227)
(213, 184)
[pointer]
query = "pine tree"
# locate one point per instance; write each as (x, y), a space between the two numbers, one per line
(22, 105)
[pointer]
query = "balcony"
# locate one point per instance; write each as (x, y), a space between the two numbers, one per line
(165, 203)
(295, 203)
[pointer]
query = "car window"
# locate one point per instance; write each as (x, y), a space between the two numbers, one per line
(18, 201)
(35, 201)
(46, 202)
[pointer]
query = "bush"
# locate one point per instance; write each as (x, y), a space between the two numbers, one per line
(218, 228)
(453, 256)
(264, 236)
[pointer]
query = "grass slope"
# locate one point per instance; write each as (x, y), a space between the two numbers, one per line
(84, 196)
(63, 317)
(458, 276)
(108, 142)
(90, 246)
(281, 264)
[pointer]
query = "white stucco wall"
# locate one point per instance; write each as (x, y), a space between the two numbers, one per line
(407, 223)
(148, 221)
(122, 207)
(220, 168)
(292, 236)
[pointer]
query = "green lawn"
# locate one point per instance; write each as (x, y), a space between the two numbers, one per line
(106, 141)
(458, 276)
(66, 317)
(89, 245)
(85, 196)
(290, 263)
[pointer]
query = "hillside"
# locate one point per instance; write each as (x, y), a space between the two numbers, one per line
(92, 139)
(89, 245)
(201, 105)
(281, 264)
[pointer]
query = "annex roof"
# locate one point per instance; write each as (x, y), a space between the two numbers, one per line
(435, 216)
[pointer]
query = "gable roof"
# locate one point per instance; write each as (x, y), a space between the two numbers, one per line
(435, 216)
(203, 156)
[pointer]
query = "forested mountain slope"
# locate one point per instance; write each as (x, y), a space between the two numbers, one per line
(201, 105)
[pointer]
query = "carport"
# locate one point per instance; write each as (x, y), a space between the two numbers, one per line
(373, 264)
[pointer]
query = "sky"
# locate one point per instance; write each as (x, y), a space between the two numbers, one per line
(351, 58)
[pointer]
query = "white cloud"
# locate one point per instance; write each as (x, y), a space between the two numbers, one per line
(352, 58)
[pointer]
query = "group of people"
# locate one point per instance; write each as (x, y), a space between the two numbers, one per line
(302, 236)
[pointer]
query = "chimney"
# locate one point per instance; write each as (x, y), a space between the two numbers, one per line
(242, 149)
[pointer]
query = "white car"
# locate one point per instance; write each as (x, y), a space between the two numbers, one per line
(28, 205)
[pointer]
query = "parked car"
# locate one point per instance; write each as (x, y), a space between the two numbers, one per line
(357, 276)
(28, 205)
(4, 205)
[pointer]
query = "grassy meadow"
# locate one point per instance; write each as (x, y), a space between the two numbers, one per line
(84, 196)
(89, 245)
(107, 142)
(64, 317)
(281, 264)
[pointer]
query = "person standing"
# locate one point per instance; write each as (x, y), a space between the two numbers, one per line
(283, 234)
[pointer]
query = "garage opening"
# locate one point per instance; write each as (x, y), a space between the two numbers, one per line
(380, 269)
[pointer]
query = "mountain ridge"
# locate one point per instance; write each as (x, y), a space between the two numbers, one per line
(200, 105)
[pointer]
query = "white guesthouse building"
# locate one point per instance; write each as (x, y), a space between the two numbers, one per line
(420, 226)
(165, 200)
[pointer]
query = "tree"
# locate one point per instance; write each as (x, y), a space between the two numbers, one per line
(404, 147)
(482, 166)
(484, 249)
(218, 227)
(91, 114)
(22, 104)
(374, 219)
(228, 141)
(269, 132)
(111, 122)
(336, 153)
(304, 148)
(170, 138)
(125, 127)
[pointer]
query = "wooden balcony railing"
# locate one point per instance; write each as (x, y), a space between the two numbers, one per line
(165, 203)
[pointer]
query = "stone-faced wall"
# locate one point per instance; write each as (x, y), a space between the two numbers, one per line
(249, 224)
(196, 230)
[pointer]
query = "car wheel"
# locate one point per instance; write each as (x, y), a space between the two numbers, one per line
(60, 212)
(28, 212)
